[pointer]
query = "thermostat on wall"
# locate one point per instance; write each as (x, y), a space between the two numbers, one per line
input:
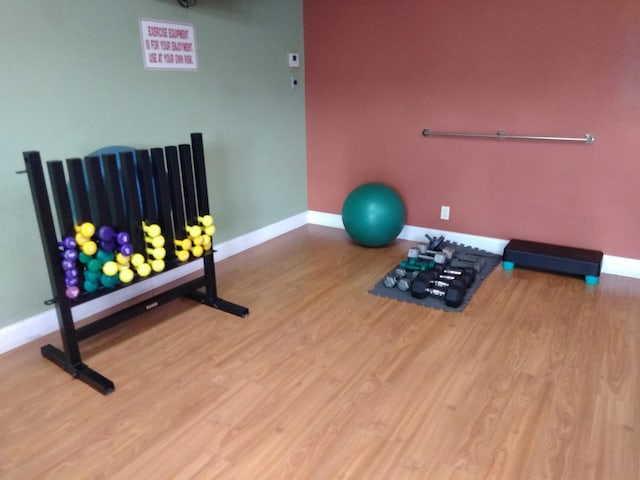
(294, 60)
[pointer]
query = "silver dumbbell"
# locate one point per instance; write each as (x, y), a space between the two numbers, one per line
(439, 256)
(399, 278)
(391, 280)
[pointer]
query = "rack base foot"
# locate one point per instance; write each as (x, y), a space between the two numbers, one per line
(102, 384)
(80, 371)
(219, 304)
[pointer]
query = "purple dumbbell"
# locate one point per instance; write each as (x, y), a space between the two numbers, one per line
(123, 238)
(126, 249)
(107, 238)
(71, 273)
(72, 291)
(106, 233)
(68, 264)
(70, 254)
(70, 282)
(108, 245)
(68, 243)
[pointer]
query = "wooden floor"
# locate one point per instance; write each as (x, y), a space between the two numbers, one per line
(538, 378)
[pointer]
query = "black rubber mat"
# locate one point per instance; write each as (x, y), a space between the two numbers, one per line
(491, 260)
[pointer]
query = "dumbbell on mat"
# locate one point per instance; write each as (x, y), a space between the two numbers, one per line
(399, 278)
(462, 263)
(442, 255)
(391, 280)
(421, 252)
(467, 275)
(434, 242)
(429, 283)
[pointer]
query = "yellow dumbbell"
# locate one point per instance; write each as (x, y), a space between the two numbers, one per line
(197, 251)
(155, 242)
(157, 265)
(86, 230)
(194, 231)
(152, 230)
(206, 220)
(210, 230)
(157, 253)
(182, 255)
(110, 268)
(123, 260)
(81, 239)
(184, 244)
(198, 240)
(126, 275)
(144, 269)
(89, 248)
(206, 242)
(137, 259)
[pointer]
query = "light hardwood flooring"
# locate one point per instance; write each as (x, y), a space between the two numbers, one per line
(538, 378)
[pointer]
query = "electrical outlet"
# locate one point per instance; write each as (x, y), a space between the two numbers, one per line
(444, 212)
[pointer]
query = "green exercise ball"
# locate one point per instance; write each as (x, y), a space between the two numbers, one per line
(373, 214)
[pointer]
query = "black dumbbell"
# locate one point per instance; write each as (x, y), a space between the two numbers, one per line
(461, 263)
(473, 260)
(467, 275)
(434, 243)
(435, 278)
(429, 283)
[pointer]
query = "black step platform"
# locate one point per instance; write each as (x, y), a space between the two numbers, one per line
(553, 258)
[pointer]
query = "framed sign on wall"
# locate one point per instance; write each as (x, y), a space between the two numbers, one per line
(168, 45)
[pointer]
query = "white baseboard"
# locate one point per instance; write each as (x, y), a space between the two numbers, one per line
(488, 244)
(17, 334)
(252, 239)
(625, 267)
(417, 234)
(325, 219)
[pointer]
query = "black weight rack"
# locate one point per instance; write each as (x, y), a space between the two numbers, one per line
(164, 186)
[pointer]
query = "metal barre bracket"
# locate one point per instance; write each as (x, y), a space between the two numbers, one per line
(501, 135)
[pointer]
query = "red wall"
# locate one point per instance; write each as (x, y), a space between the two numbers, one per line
(378, 72)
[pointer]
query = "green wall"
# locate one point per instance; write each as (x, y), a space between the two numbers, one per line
(73, 80)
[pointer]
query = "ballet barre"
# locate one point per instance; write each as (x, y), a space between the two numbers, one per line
(501, 135)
